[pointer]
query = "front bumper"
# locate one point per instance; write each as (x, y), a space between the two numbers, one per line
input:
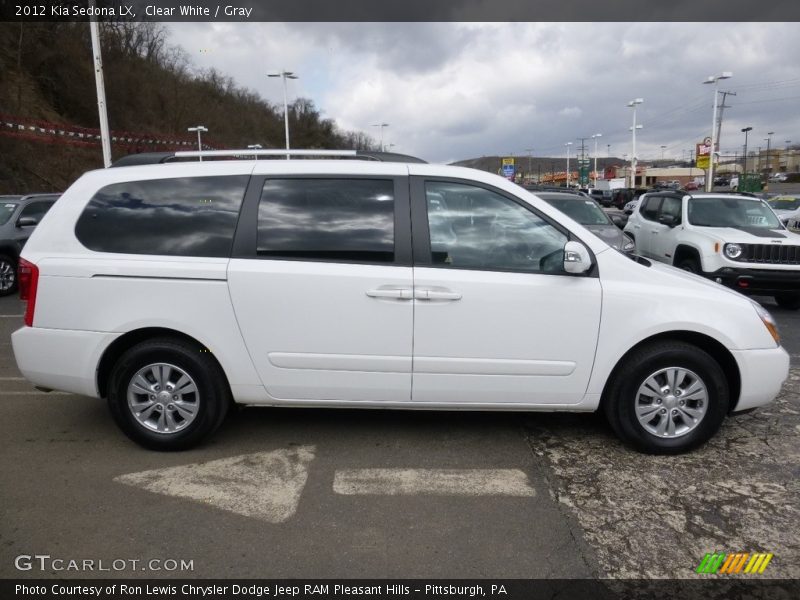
(763, 373)
(758, 281)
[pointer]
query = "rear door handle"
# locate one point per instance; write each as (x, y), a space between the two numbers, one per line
(428, 294)
(397, 293)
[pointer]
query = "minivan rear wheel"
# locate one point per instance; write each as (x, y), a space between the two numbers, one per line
(8, 275)
(669, 398)
(167, 394)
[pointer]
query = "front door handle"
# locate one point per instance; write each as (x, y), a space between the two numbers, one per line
(396, 293)
(428, 294)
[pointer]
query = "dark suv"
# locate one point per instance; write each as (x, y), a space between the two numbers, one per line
(19, 216)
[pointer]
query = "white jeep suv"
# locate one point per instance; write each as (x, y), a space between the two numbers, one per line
(173, 290)
(734, 240)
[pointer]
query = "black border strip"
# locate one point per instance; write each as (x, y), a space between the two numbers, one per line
(405, 10)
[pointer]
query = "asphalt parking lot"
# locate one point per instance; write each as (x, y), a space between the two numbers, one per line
(309, 493)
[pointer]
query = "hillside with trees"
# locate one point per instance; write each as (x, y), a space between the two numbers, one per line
(152, 89)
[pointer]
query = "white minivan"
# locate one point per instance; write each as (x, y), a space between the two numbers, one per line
(176, 289)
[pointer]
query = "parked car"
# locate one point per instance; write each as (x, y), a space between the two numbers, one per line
(732, 239)
(691, 186)
(778, 177)
(587, 213)
(175, 290)
(722, 180)
(630, 207)
(787, 207)
(19, 216)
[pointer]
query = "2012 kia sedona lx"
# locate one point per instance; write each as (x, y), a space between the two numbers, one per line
(174, 290)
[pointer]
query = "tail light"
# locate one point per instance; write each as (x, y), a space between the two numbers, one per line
(28, 281)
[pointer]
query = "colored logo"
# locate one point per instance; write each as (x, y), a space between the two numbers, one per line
(734, 564)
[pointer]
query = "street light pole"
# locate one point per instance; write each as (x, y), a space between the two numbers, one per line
(381, 125)
(200, 130)
(662, 153)
(744, 169)
(633, 104)
(714, 79)
(285, 75)
(595, 136)
(568, 144)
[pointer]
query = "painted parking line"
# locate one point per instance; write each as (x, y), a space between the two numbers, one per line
(12, 379)
(264, 485)
(36, 393)
(11, 316)
(436, 482)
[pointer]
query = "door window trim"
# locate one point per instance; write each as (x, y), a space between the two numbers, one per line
(245, 240)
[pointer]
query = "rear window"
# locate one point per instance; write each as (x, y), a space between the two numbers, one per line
(191, 216)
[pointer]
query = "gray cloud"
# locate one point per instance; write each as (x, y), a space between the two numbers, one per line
(458, 90)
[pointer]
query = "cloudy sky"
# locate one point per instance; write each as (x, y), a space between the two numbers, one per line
(459, 90)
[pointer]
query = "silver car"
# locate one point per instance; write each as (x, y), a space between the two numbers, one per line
(590, 215)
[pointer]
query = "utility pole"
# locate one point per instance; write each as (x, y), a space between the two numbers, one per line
(105, 139)
(714, 80)
(721, 111)
(632, 104)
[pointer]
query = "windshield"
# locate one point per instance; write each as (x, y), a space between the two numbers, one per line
(784, 202)
(732, 212)
(6, 210)
(585, 212)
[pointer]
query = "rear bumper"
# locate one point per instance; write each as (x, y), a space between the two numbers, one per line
(758, 281)
(763, 373)
(60, 359)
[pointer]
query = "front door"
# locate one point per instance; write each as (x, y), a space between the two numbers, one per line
(497, 320)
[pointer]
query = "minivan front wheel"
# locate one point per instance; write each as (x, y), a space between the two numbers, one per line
(8, 275)
(670, 397)
(167, 394)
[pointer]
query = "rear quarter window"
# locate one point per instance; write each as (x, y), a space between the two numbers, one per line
(190, 216)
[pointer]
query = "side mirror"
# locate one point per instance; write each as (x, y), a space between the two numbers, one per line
(577, 259)
(27, 222)
(618, 220)
(668, 220)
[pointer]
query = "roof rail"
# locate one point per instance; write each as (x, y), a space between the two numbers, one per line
(249, 153)
(152, 158)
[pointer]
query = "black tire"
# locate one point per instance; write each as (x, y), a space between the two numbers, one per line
(788, 301)
(691, 265)
(620, 399)
(8, 274)
(210, 402)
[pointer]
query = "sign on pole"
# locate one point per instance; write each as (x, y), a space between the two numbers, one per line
(703, 153)
(508, 168)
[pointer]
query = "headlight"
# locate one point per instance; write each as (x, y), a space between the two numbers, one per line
(768, 321)
(733, 251)
(628, 245)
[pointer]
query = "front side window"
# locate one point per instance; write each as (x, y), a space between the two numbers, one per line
(187, 216)
(36, 210)
(350, 220)
(476, 228)
(785, 202)
(650, 207)
(732, 212)
(672, 208)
